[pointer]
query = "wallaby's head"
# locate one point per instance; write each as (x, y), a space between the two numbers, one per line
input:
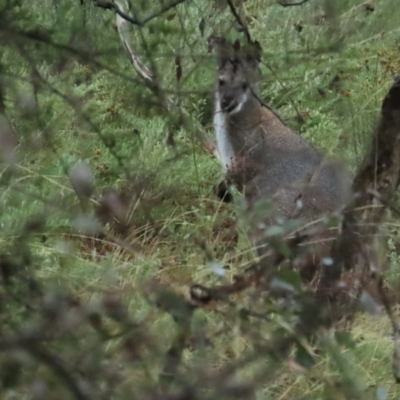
(238, 73)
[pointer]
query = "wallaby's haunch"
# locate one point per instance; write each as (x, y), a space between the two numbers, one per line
(262, 156)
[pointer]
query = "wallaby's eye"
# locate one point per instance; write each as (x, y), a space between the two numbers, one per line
(244, 86)
(221, 82)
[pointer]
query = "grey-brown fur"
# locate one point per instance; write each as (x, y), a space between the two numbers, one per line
(262, 156)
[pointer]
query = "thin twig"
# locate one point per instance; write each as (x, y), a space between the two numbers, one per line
(385, 203)
(32, 346)
(56, 366)
(284, 4)
(114, 6)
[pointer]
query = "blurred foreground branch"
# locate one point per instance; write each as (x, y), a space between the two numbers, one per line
(378, 173)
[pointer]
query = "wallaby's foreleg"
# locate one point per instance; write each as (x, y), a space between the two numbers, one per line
(221, 190)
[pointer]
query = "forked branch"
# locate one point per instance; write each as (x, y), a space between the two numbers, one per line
(123, 32)
(167, 102)
(115, 6)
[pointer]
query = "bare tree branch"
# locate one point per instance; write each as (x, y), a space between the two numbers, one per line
(123, 32)
(33, 346)
(239, 20)
(376, 182)
(378, 173)
(113, 5)
(58, 368)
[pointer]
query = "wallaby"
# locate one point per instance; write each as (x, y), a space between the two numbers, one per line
(261, 155)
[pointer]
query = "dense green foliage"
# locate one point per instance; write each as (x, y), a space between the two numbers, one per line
(94, 308)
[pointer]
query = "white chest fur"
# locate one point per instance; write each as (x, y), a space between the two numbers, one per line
(224, 144)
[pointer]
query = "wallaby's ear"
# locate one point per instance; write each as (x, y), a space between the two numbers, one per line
(222, 48)
(252, 54)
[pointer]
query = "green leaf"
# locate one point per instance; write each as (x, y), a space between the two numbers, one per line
(303, 357)
(290, 277)
(345, 339)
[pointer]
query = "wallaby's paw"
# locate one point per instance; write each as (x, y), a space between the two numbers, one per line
(222, 192)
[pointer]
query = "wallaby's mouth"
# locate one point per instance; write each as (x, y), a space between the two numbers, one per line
(227, 109)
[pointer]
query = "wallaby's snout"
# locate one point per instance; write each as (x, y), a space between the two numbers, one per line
(228, 103)
(232, 91)
(237, 77)
(231, 103)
